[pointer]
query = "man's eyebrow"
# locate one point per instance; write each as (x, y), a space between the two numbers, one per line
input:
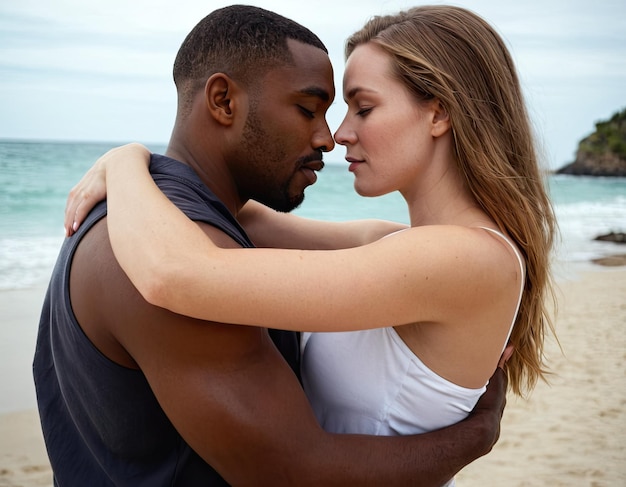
(315, 91)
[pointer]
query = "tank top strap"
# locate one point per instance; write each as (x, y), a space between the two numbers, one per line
(520, 260)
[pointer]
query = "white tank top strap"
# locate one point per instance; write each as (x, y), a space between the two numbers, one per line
(520, 260)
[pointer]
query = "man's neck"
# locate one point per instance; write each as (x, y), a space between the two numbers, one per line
(210, 168)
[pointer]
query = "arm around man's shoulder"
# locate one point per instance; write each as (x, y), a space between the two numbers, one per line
(232, 397)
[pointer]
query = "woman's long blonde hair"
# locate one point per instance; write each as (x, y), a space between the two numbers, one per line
(453, 55)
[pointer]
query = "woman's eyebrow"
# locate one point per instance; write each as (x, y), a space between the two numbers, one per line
(352, 92)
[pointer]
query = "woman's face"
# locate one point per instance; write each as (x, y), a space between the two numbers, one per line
(386, 132)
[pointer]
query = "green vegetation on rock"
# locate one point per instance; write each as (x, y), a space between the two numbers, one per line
(610, 136)
(603, 153)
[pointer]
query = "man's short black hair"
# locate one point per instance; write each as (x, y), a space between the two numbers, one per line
(241, 41)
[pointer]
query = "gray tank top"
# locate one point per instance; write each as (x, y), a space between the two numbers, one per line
(101, 422)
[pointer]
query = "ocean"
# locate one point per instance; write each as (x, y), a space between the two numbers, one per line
(35, 178)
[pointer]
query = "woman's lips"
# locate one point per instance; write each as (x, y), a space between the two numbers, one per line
(353, 163)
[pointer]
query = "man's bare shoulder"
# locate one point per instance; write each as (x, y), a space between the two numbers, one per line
(122, 325)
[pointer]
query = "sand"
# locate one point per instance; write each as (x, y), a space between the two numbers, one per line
(569, 433)
(23, 459)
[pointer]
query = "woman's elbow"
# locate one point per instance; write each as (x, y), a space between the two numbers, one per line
(155, 284)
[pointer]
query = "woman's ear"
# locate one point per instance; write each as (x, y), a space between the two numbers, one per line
(440, 120)
(220, 93)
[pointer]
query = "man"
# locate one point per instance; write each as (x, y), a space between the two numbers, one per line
(130, 394)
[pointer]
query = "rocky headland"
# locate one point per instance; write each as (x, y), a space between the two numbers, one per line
(602, 153)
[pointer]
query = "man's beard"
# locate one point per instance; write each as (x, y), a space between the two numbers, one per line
(268, 187)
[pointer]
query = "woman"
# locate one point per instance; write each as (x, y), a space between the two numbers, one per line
(435, 111)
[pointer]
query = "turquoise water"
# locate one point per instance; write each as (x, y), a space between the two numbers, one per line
(35, 178)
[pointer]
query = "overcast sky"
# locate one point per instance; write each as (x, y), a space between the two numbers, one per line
(101, 70)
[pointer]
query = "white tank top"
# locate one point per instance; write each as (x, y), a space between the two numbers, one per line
(371, 382)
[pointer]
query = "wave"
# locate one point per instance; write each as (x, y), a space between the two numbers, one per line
(27, 262)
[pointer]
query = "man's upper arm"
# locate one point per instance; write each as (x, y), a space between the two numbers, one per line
(227, 391)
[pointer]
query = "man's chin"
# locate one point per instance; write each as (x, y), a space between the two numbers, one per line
(285, 205)
(293, 204)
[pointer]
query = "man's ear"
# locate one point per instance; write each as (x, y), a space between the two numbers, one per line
(221, 97)
(440, 119)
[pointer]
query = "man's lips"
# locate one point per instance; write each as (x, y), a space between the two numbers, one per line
(314, 165)
(309, 168)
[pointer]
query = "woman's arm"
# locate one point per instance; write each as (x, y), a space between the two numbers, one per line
(91, 189)
(273, 229)
(427, 274)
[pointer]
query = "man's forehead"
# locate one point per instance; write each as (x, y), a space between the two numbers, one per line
(298, 81)
(308, 74)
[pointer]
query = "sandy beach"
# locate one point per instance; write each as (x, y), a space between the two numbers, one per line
(23, 459)
(569, 433)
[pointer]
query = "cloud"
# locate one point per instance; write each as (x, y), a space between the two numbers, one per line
(79, 70)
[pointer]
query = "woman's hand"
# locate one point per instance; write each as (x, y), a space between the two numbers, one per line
(91, 189)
